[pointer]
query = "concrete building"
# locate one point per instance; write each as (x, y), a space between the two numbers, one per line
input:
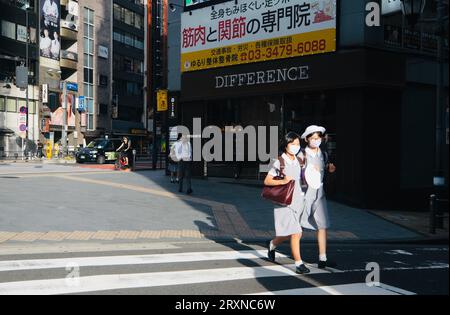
(13, 37)
(129, 31)
(70, 45)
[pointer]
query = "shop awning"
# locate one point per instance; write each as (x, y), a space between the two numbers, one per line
(6, 131)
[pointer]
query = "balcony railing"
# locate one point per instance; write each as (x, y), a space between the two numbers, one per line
(69, 59)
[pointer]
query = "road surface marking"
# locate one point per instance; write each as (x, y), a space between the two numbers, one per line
(14, 265)
(146, 280)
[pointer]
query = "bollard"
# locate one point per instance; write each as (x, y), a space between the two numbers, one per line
(433, 214)
(439, 213)
(133, 167)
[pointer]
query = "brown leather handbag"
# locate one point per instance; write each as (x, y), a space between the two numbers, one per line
(280, 195)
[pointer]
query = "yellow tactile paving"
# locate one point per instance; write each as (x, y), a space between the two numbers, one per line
(4, 236)
(80, 236)
(150, 234)
(55, 236)
(170, 234)
(27, 236)
(105, 235)
(191, 234)
(129, 235)
(226, 232)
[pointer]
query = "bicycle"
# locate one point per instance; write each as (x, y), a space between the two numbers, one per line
(121, 162)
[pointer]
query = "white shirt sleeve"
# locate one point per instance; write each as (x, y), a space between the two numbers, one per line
(274, 170)
(190, 151)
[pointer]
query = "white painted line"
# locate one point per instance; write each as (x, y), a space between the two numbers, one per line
(78, 247)
(131, 260)
(399, 252)
(144, 280)
(344, 289)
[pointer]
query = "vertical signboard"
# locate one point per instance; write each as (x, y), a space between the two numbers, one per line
(49, 43)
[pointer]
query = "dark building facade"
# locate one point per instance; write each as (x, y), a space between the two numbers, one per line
(375, 94)
(129, 69)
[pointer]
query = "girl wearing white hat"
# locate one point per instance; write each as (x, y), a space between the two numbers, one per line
(315, 211)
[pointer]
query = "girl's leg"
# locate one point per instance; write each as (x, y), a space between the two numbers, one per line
(295, 247)
(280, 239)
(272, 245)
(322, 239)
(323, 260)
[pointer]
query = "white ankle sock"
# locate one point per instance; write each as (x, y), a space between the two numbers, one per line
(323, 257)
(298, 263)
(272, 247)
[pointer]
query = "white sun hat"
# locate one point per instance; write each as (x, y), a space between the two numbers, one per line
(313, 129)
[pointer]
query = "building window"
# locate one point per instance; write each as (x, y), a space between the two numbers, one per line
(32, 107)
(88, 71)
(11, 105)
(9, 29)
(128, 39)
(128, 17)
(21, 103)
(2, 104)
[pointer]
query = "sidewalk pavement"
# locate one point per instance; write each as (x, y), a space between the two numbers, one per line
(368, 225)
(38, 161)
(145, 205)
(347, 223)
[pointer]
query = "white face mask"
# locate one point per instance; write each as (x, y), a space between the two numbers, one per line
(294, 149)
(315, 143)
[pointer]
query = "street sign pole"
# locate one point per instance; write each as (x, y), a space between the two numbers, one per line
(26, 65)
(64, 130)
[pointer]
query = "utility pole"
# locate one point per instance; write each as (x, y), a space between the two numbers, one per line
(27, 66)
(64, 127)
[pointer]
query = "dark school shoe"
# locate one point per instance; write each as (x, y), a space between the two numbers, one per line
(270, 253)
(325, 264)
(302, 269)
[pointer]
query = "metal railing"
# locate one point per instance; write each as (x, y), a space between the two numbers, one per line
(437, 215)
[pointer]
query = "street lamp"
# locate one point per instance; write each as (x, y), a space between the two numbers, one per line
(412, 10)
(173, 7)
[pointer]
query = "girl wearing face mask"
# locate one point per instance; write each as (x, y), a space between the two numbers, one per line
(287, 219)
(315, 212)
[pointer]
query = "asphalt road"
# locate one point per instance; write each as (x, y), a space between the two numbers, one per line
(210, 268)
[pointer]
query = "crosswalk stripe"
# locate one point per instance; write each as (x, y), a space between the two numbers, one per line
(145, 280)
(132, 260)
(343, 289)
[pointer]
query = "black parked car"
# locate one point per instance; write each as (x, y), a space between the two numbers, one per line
(100, 150)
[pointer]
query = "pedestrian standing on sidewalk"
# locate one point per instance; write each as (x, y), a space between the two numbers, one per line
(315, 212)
(40, 148)
(287, 219)
(183, 151)
(173, 163)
